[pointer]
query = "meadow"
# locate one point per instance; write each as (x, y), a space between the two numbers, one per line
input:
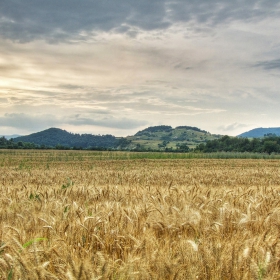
(120, 215)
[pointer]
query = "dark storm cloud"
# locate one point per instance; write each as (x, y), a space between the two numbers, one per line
(269, 65)
(65, 20)
(60, 20)
(215, 12)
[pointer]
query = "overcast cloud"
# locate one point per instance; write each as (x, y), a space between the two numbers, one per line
(119, 66)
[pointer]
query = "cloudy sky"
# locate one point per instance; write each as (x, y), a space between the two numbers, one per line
(118, 66)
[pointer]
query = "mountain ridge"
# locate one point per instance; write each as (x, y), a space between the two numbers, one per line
(260, 132)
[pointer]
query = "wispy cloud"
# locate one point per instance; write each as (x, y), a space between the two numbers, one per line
(232, 127)
(110, 121)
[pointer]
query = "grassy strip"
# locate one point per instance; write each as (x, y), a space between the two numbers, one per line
(54, 155)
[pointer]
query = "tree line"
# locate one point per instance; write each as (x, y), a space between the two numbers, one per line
(11, 144)
(267, 145)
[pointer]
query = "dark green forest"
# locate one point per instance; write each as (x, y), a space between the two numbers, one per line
(269, 144)
(61, 139)
(12, 144)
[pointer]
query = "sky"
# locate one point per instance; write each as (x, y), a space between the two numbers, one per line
(119, 66)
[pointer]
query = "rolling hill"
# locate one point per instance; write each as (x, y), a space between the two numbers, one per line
(152, 138)
(261, 132)
(162, 137)
(54, 136)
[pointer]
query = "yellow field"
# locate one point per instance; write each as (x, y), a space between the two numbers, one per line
(71, 215)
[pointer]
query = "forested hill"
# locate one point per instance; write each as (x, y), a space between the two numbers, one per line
(261, 132)
(55, 137)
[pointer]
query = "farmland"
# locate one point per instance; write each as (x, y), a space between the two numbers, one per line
(102, 215)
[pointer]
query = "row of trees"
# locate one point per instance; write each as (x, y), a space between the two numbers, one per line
(11, 144)
(227, 144)
(191, 128)
(233, 144)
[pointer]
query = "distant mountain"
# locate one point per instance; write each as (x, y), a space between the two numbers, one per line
(261, 132)
(10, 136)
(54, 136)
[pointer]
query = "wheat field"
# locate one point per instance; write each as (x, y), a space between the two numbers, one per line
(81, 215)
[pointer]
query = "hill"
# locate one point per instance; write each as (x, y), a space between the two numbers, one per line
(261, 132)
(54, 137)
(162, 137)
(165, 137)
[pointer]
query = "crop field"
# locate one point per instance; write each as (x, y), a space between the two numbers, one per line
(102, 215)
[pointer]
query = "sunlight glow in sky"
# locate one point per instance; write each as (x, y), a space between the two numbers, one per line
(116, 67)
